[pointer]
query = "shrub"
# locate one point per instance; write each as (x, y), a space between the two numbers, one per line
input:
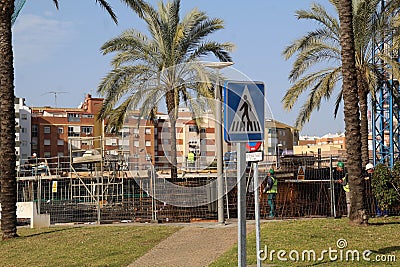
(382, 185)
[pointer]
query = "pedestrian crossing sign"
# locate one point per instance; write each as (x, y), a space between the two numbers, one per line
(244, 104)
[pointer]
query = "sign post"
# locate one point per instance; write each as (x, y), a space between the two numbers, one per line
(241, 203)
(244, 122)
(257, 210)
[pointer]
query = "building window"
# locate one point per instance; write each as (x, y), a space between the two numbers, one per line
(87, 116)
(193, 128)
(136, 130)
(34, 130)
(136, 143)
(203, 130)
(47, 154)
(46, 142)
(74, 130)
(74, 117)
(60, 154)
(60, 142)
(148, 143)
(46, 129)
(60, 130)
(87, 129)
(111, 142)
(24, 117)
(87, 142)
(23, 130)
(148, 131)
(34, 142)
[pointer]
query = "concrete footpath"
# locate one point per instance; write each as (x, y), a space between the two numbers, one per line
(196, 244)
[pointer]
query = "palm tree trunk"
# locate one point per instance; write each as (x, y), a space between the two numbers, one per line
(173, 164)
(351, 114)
(172, 112)
(363, 101)
(8, 193)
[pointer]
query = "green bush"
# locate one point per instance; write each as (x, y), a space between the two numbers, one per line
(382, 185)
(396, 178)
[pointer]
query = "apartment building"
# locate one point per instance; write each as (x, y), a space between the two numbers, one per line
(22, 131)
(280, 138)
(58, 131)
(54, 129)
(329, 144)
(137, 141)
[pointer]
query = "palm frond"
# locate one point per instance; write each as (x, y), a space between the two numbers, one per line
(314, 55)
(312, 39)
(322, 89)
(104, 4)
(309, 81)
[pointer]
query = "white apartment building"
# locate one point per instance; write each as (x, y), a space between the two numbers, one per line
(23, 131)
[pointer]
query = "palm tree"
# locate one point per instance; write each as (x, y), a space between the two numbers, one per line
(8, 196)
(351, 113)
(161, 66)
(323, 46)
(8, 193)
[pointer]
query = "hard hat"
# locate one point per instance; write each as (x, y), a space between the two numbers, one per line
(340, 164)
(271, 171)
(369, 166)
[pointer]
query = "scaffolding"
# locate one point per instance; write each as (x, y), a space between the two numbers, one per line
(385, 104)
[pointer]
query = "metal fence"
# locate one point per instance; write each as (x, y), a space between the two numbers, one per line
(107, 191)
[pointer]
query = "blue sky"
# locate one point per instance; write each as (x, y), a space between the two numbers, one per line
(58, 50)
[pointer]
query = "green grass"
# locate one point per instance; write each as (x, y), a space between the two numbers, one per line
(382, 237)
(81, 246)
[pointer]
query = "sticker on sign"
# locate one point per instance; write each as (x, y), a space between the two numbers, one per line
(254, 156)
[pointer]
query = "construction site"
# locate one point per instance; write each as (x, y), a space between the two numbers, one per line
(99, 186)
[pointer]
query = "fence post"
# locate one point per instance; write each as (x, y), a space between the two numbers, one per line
(332, 189)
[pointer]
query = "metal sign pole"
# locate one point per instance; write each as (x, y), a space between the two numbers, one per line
(241, 202)
(256, 210)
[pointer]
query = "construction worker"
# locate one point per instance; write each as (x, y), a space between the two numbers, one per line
(369, 169)
(345, 183)
(271, 189)
(190, 160)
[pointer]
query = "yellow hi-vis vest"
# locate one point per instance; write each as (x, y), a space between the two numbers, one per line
(346, 186)
(274, 188)
(190, 157)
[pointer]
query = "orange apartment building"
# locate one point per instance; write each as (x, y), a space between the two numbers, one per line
(52, 127)
(55, 132)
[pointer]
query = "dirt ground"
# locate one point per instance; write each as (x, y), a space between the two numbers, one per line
(196, 244)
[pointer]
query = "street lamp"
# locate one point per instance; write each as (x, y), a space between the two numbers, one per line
(277, 146)
(218, 135)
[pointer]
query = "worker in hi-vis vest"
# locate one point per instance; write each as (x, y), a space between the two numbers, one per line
(190, 160)
(271, 189)
(345, 183)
